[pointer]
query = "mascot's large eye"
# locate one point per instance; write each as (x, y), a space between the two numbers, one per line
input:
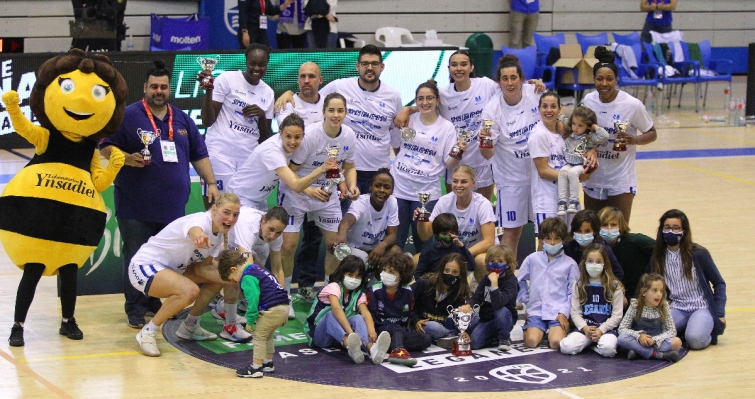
(99, 92)
(66, 85)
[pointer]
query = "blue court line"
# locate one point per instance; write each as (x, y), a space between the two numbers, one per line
(649, 155)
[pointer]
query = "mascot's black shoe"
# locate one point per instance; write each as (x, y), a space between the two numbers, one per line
(70, 329)
(16, 335)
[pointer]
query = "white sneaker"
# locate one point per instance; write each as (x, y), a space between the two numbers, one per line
(380, 348)
(354, 346)
(148, 343)
(199, 333)
(291, 312)
(235, 333)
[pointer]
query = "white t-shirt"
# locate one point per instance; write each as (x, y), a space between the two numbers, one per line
(511, 129)
(369, 229)
(464, 109)
(370, 114)
(617, 168)
(470, 220)
(311, 154)
(234, 136)
(543, 143)
(172, 247)
(311, 113)
(246, 232)
(256, 177)
(420, 162)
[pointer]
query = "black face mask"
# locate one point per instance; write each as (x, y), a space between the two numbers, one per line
(450, 280)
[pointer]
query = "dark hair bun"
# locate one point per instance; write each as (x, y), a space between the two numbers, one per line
(603, 55)
(159, 64)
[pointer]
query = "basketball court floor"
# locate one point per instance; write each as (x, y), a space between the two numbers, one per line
(705, 169)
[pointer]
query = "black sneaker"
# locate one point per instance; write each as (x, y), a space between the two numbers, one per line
(250, 372)
(136, 321)
(16, 335)
(70, 329)
(268, 367)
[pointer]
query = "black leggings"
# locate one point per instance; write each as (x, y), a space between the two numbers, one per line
(28, 286)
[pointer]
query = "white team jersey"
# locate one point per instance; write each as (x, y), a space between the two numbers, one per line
(420, 162)
(311, 154)
(369, 229)
(511, 128)
(464, 109)
(256, 177)
(172, 247)
(370, 114)
(234, 136)
(543, 143)
(617, 168)
(311, 113)
(470, 220)
(246, 232)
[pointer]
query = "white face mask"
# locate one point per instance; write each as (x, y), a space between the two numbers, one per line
(594, 269)
(389, 280)
(351, 283)
(609, 234)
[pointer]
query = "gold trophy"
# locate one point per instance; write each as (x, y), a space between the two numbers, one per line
(208, 65)
(620, 144)
(147, 138)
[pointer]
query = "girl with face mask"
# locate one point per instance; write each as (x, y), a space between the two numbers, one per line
(584, 230)
(434, 292)
(340, 315)
(697, 292)
(632, 250)
(596, 305)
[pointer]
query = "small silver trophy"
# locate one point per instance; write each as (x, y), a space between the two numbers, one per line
(487, 141)
(147, 138)
(461, 134)
(423, 215)
(332, 183)
(463, 345)
(620, 144)
(408, 134)
(341, 251)
(208, 65)
(333, 154)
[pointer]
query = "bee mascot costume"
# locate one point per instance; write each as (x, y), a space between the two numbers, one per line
(52, 215)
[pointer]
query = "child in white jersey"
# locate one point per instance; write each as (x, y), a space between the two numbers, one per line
(582, 135)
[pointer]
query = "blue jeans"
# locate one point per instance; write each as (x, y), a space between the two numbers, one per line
(629, 342)
(484, 333)
(329, 332)
(439, 330)
(134, 234)
(696, 327)
(406, 219)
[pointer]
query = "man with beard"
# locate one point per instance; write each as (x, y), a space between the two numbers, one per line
(153, 188)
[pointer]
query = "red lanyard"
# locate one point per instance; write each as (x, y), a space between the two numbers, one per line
(262, 7)
(152, 120)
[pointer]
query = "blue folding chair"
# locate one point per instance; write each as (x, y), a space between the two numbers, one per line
(585, 41)
(721, 67)
(647, 75)
(632, 40)
(528, 61)
(689, 73)
(546, 43)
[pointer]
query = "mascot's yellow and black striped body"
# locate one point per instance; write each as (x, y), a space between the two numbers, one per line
(51, 212)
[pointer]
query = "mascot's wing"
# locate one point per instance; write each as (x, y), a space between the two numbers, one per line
(103, 177)
(36, 135)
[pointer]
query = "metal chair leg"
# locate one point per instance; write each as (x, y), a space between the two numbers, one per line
(706, 94)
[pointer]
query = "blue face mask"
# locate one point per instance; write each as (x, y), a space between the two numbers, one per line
(583, 239)
(672, 238)
(552, 249)
(609, 234)
(496, 267)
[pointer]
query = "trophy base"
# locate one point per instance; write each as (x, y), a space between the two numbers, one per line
(456, 154)
(486, 145)
(620, 148)
(422, 217)
(462, 349)
(146, 156)
(591, 169)
(333, 174)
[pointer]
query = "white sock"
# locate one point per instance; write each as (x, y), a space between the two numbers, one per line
(287, 285)
(191, 322)
(65, 320)
(150, 326)
(230, 313)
